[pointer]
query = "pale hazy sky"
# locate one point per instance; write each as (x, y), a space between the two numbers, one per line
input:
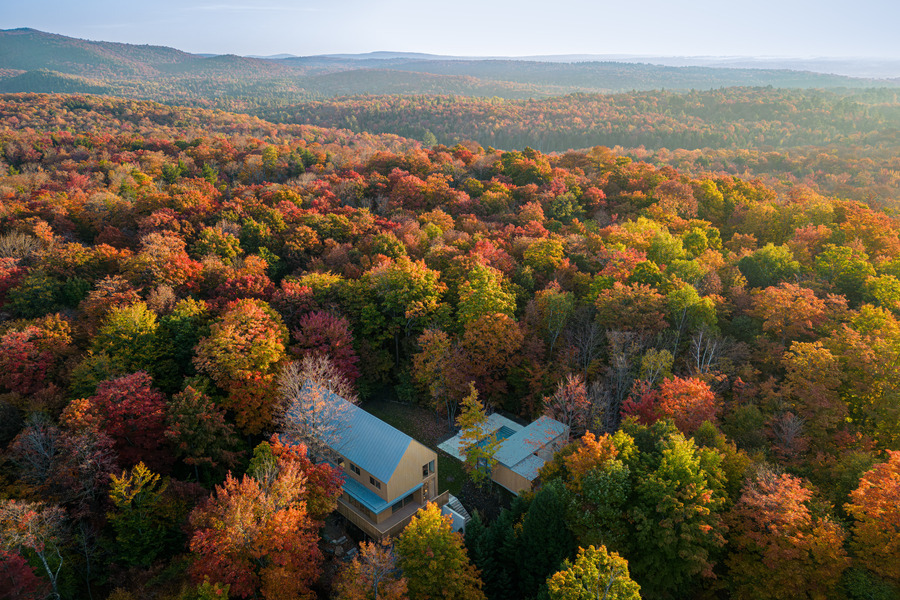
(789, 28)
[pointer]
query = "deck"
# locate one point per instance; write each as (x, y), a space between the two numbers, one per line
(391, 526)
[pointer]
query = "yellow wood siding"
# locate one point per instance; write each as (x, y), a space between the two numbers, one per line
(509, 479)
(408, 473)
(363, 478)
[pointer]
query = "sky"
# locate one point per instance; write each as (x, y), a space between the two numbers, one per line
(772, 28)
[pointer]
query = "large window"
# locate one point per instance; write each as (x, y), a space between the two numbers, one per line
(427, 469)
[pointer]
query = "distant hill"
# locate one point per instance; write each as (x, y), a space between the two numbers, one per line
(29, 49)
(876, 68)
(35, 61)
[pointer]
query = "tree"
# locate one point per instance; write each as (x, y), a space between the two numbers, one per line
(769, 266)
(431, 370)
(544, 540)
(675, 510)
(408, 293)
(109, 293)
(779, 548)
(594, 575)
(72, 467)
(488, 349)
(37, 528)
(875, 506)
(544, 255)
(373, 575)
(248, 339)
(590, 453)
(198, 431)
(18, 580)
(132, 413)
(163, 260)
(177, 335)
(317, 398)
(688, 311)
(434, 559)
(811, 384)
(325, 333)
(554, 307)
(847, 269)
(143, 521)
(635, 307)
(483, 292)
(788, 311)
(259, 535)
(688, 401)
(868, 350)
(29, 358)
(570, 405)
(128, 337)
(478, 448)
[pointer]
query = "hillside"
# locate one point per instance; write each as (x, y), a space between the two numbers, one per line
(837, 142)
(167, 74)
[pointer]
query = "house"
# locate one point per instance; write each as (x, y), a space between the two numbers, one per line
(388, 475)
(523, 450)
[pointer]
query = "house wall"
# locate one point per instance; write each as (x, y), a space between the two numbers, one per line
(510, 479)
(408, 473)
(363, 478)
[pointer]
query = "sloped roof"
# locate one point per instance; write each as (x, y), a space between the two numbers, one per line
(370, 499)
(527, 441)
(529, 466)
(495, 421)
(366, 440)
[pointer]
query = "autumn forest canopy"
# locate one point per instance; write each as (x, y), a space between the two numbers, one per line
(702, 282)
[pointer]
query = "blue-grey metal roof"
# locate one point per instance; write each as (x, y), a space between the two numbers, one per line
(495, 422)
(527, 441)
(366, 440)
(529, 467)
(370, 499)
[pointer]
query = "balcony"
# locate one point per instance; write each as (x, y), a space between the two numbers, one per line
(391, 526)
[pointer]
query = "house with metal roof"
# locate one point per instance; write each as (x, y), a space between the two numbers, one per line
(523, 450)
(388, 475)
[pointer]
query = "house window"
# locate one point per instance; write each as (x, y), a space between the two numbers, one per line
(354, 468)
(397, 507)
(424, 471)
(375, 482)
(427, 469)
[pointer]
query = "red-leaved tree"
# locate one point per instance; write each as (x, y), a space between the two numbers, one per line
(325, 333)
(133, 414)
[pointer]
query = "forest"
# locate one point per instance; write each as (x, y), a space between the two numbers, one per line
(723, 343)
(36, 61)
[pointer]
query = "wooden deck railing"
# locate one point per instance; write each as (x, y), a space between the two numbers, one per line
(391, 527)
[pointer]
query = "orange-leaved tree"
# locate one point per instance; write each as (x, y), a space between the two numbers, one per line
(259, 534)
(373, 575)
(780, 549)
(875, 506)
